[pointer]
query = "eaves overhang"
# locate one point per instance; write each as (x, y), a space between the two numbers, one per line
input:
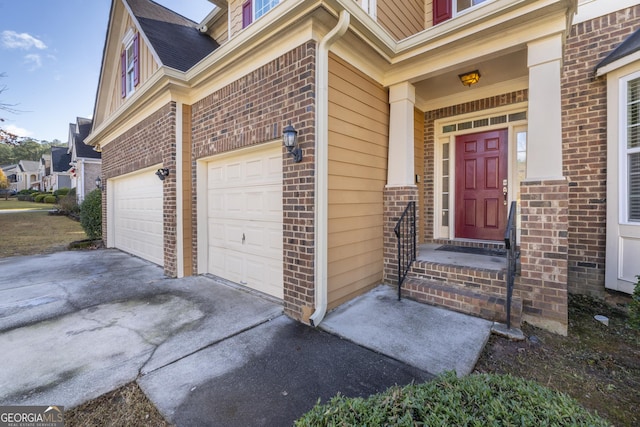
(498, 18)
(164, 81)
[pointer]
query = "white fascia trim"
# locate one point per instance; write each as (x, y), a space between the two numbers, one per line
(591, 9)
(148, 94)
(622, 62)
(248, 39)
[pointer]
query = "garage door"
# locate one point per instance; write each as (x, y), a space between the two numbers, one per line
(245, 219)
(138, 216)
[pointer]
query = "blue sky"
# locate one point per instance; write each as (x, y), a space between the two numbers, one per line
(50, 55)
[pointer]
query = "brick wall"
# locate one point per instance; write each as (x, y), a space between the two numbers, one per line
(584, 119)
(148, 143)
(253, 110)
(91, 172)
(543, 248)
(396, 200)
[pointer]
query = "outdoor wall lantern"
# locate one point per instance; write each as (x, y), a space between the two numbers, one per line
(162, 173)
(470, 78)
(290, 140)
(99, 183)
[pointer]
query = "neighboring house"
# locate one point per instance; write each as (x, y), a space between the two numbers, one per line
(44, 172)
(60, 165)
(388, 107)
(85, 161)
(27, 175)
(11, 172)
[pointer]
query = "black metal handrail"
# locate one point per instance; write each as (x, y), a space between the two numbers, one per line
(405, 231)
(512, 256)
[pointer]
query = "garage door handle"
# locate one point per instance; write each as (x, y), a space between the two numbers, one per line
(243, 239)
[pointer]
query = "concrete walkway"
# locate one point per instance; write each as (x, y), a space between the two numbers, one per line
(426, 337)
(75, 325)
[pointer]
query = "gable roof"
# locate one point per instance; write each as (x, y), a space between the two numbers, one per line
(29, 165)
(175, 39)
(60, 159)
(627, 47)
(82, 128)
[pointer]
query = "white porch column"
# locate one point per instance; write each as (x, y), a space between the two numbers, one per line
(544, 148)
(402, 98)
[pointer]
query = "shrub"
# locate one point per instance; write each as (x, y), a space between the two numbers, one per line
(91, 214)
(481, 399)
(68, 205)
(39, 198)
(50, 199)
(634, 307)
(62, 191)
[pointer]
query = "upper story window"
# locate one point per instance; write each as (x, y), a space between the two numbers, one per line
(254, 9)
(129, 64)
(631, 150)
(446, 9)
(369, 6)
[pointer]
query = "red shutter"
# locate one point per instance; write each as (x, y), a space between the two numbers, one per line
(247, 13)
(136, 63)
(441, 10)
(123, 74)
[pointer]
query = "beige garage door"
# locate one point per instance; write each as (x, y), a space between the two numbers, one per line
(245, 219)
(138, 216)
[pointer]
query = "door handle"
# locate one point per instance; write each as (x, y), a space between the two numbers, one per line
(505, 190)
(243, 238)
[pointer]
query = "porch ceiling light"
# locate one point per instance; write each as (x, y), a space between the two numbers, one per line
(470, 78)
(162, 173)
(290, 140)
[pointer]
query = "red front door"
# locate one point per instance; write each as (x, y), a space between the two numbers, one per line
(481, 171)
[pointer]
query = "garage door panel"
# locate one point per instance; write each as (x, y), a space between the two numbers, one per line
(245, 200)
(138, 216)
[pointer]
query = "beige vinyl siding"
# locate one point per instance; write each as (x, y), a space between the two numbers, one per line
(148, 66)
(358, 145)
(235, 16)
(418, 152)
(219, 30)
(402, 18)
(428, 14)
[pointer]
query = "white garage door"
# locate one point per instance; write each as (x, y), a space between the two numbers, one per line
(245, 219)
(138, 216)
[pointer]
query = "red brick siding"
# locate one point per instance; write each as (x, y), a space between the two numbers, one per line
(543, 246)
(253, 110)
(584, 134)
(148, 143)
(396, 200)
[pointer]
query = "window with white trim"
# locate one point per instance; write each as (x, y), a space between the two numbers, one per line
(129, 64)
(631, 151)
(254, 9)
(369, 6)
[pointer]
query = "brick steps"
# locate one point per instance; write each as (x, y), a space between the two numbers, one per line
(478, 292)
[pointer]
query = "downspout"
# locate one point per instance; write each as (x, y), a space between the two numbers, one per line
(322, 165)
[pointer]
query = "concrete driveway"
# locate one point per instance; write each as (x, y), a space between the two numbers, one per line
(75, 325)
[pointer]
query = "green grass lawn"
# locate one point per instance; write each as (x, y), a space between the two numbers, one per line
(14, 203)
(28, 233)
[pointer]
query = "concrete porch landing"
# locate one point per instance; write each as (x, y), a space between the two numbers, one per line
(428, 252)
(426, 337)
